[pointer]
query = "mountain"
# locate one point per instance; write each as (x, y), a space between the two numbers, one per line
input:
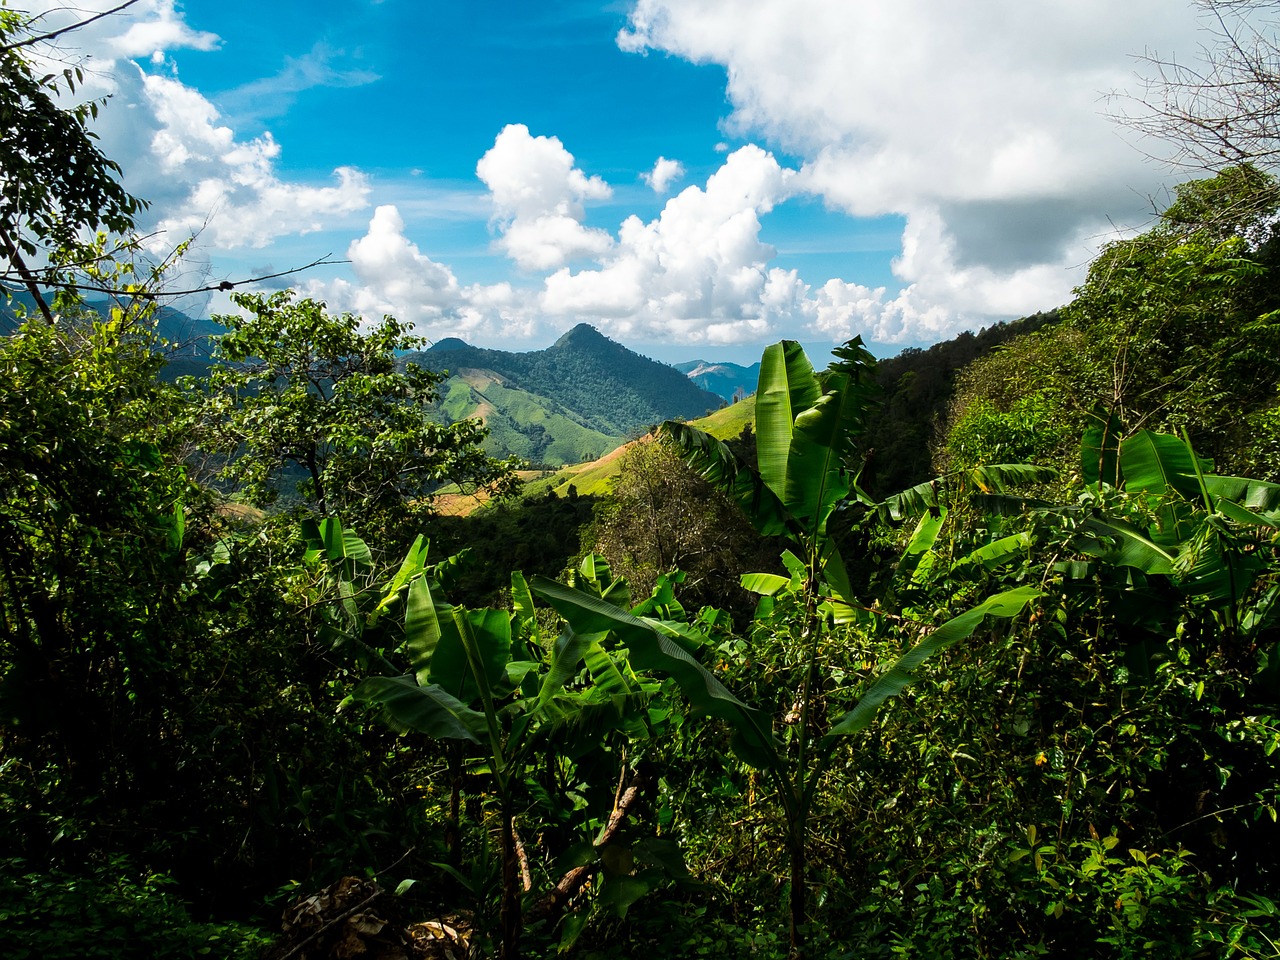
(520, 423)
(727, 380)
(605, 390)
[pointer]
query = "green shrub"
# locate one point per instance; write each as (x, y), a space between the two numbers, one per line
(111, 913)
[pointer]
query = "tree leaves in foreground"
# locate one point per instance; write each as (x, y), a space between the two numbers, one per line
(304, 396)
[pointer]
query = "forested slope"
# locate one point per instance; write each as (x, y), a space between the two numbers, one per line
(615, 391)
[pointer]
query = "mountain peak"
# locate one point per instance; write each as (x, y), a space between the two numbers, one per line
(582, 335)
(448, 343)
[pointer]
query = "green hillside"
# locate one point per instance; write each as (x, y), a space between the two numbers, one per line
(520, 423)
(610, 389)
(728, 422)
(596, 478)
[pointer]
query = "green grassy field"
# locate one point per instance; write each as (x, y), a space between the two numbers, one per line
(595, 478)
(522, 424)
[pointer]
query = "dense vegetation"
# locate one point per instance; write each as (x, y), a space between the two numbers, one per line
(1013, 712)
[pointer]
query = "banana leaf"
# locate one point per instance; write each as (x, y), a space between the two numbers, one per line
(652, 648)
(900, 674)
(429, 710)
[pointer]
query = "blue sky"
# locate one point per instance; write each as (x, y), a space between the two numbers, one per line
(902, 170)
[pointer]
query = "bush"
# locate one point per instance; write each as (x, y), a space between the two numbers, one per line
(113, 913)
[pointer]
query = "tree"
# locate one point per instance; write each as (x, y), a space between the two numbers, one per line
(55, 183)
(1177, 328)
(661, 516)
(305, 394)
(1224, 108)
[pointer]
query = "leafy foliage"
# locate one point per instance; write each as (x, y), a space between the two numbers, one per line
(298, 387)
(58, 182)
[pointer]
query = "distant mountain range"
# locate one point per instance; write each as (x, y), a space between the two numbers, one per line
(571, 402)
(727, 380)
(175, 326)
(190, 338)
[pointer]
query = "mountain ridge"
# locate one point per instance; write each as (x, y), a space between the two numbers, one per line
(616, 391)
(727, 380)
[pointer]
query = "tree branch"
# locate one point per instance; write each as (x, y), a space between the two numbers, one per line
(29, 278)
(5, 48)
(11, 251)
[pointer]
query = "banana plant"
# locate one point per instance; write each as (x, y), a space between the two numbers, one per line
(671, 648)
(807, 425)
(1210, 538)
(484, 679)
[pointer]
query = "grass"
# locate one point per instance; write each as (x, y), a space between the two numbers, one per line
(595, 478)
(520, 422)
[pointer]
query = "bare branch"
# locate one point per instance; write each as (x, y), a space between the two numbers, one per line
(1223, 108)
(144, 294)
(39, 38)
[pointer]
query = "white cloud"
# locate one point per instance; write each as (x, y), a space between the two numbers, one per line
(664, 173)
(150, 38)
(173, 147)
(384, 260)
(146, 29)
(986, 132)
(699, 272)
(538, 199)
(235, 197)
(393, 276)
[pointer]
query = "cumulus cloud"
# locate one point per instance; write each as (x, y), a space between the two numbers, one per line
(538, 199)
(164, 30)
(986, 133)
(236, 198)
(664, 173)
(393, 276)
(173, 145)
(699, 271)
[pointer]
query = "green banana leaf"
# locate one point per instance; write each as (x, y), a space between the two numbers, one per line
(340, 546)
(566, 655)
(1155, 463)
(412, 566)
(787, 387)
(1256, 496)
(430, 710)
(653, 648)
(436, 650)
(765, 584)
(1124, 545)
(980, 483)
(997, 552)
(900, 674)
